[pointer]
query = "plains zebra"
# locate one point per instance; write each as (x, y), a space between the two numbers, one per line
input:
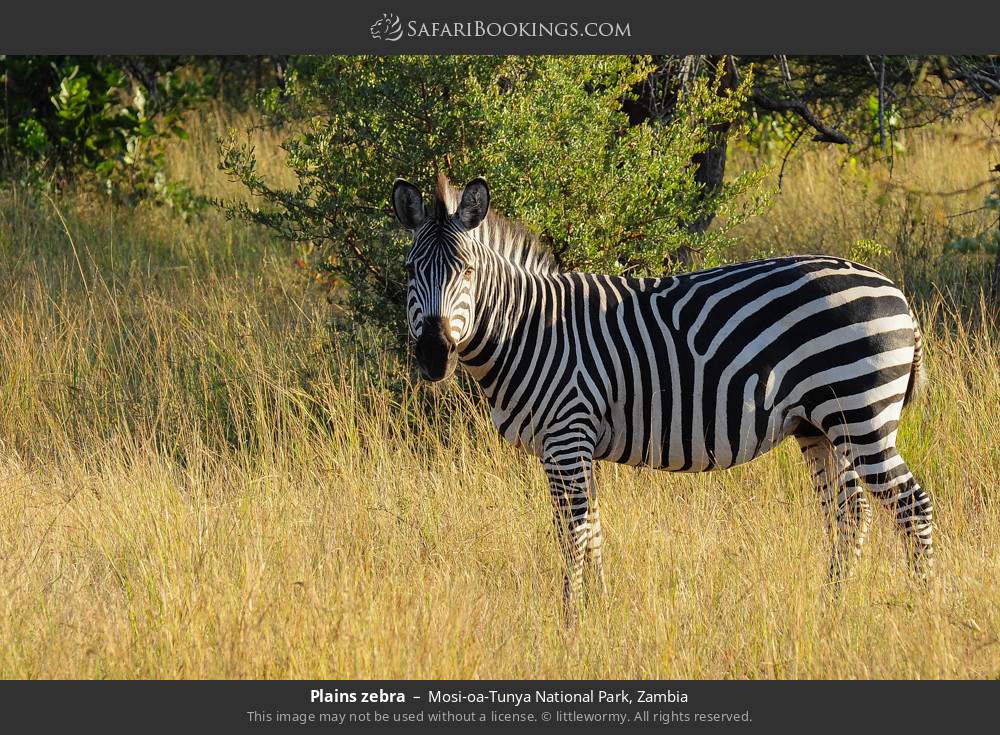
(688, 373)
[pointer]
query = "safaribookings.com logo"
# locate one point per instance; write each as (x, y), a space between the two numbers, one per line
(390, 28)
(387, 28)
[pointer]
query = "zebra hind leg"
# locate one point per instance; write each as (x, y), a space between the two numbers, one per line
(843, 500)
(889, 479)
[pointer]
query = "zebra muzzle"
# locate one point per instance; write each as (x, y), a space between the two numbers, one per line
(436, 353)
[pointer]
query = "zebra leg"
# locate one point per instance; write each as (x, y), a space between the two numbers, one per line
(854, 517)
(595, 560)
(569, 485)
(889, 479)
(838, 486)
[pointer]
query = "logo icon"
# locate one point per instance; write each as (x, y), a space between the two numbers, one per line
(387, 28)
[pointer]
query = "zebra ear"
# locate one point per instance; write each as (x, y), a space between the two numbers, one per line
(408, 204)
(475, 203)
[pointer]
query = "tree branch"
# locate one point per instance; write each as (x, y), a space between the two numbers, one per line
(977, 78)
(824, 133)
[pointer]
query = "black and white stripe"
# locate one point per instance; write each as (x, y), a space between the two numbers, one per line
(687, 373)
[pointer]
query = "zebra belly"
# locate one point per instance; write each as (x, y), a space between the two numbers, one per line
(663, 444)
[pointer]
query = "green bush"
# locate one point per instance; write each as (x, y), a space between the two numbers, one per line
(549, 133)
(87, 120)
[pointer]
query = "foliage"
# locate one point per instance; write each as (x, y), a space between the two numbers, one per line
(770, 133)
(866, 97)
(609, 196)
(549, 133)
(866, 102)
(101, 120)
(870, 252)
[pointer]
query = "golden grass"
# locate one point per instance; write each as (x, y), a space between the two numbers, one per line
(197, 479)
(196, 158)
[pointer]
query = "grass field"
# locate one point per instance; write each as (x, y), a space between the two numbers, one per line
(199, 477)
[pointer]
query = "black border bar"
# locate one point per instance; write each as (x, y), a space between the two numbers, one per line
(333, 26)
(510, 706)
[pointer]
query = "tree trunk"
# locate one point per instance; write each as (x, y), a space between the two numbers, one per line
(711, 163)
(710, 174)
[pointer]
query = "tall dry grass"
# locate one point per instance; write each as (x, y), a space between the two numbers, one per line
(199, 479)
(195, 159)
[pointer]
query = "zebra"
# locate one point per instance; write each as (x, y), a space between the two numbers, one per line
(687, 373)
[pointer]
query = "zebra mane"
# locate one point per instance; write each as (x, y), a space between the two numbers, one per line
(512, 240)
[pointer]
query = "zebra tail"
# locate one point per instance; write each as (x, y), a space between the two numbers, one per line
(918, 373)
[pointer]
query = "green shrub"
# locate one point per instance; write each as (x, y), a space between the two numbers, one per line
(549, 133)
(87, 120)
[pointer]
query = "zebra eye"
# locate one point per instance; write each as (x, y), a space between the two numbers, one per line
(469, 270)
(409, 270)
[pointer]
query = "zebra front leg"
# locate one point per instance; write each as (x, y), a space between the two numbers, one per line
(595, 558)
(569, 486)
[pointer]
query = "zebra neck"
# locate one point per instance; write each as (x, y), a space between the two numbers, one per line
(509, 302)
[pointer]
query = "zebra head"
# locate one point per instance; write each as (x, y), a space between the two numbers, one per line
(441, 269)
